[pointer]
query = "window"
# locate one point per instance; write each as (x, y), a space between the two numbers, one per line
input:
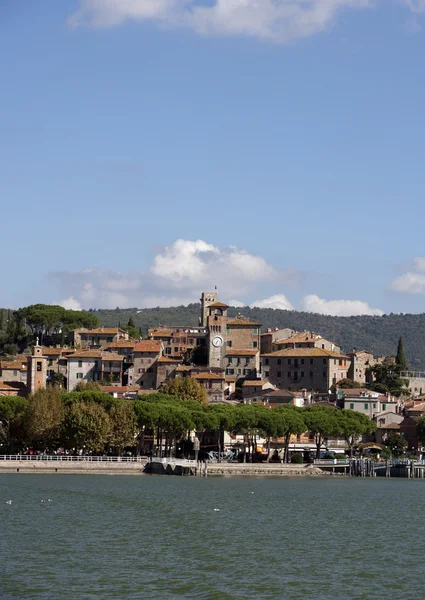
(229, 343)
(295, 376)
(302, 361)
(255, 331)
(311, 361)
(289, 374)
(39, 366)
(79, 375)
(323, 346)
(255, 344)
(384, 407)
(176, 349)
(230, 371)
(324, 361)
(289, 361)
(50, 362)
(266, 361)
(266, 373)
(279, 361)
(374, 405)
(311, 374)
(352, 406)
(302, 374)
(324, 373)
(15, 373)
(227, 329)
(150, 370)
(80, 364)
(365, 406)
(279, 374)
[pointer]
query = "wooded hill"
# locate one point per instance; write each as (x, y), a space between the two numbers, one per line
(376, 334)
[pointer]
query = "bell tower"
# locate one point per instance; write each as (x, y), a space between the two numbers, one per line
(207, 299)
(217, 324)
(37, 370)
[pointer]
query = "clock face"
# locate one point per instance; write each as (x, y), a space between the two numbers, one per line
(217, 342)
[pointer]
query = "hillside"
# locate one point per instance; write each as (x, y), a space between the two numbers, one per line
(376, 334)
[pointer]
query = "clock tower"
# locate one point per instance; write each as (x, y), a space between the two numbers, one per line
(216, 325)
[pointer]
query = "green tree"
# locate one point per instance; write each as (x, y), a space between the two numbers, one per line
(1, 320)
(43, 419)
(131, 323)
(322, 422)
(86, 426)
(353, 425)
(87, 386)
(221, 418)
(186, 388)
(401, 360)
(289, 421)
(346, 384)
(12, 409)
(123, 426)
(395, 443)
(388, 380)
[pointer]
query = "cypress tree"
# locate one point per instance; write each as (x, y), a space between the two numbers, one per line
(130, 322)
(401, 360)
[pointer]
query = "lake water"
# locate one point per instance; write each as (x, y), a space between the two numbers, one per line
(157, 537)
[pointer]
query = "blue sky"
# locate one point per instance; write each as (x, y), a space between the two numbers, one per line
(151, 149)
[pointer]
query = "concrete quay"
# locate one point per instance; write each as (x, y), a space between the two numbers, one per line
(72, 465)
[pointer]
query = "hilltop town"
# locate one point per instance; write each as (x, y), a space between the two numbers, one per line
(232, 359)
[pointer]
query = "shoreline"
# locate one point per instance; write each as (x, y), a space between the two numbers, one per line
(138, 468)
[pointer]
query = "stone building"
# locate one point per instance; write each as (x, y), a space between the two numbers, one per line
(306, 339)
(146, 354)
(97, 338)
(304, 368)
(15, 371)
(94, 365)
(361, 365)
(57, 361)
(37, 370)
(271, 336)
(179, 341)
(367, 402)
(242, 363)
(165, 368)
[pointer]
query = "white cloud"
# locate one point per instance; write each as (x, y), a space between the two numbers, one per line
(338, 308)
(177, 276)
(413, 281)
(69, 303)
(236, 303)
(276, 20)
(279, 301)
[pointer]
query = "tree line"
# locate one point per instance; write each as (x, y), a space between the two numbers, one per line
(92, 421)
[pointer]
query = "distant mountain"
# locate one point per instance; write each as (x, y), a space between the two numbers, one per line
(376, 334)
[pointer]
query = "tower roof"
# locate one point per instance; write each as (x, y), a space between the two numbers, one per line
(218, 305)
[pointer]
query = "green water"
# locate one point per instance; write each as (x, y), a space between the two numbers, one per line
(160, 537)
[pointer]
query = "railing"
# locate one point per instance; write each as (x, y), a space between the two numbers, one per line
(331, 461)
(67, 458)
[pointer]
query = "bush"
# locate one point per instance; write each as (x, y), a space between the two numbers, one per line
(297, 459)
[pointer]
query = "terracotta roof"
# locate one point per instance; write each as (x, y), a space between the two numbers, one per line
(230, 352)
(389, 426)
(100, 330)
(96, 354)
(253, 383)
(6, 386)
(15, 365)
(51, 351)
(122, 344)
(244, 322)
(305, 352)
(208, 376)
(356, 392)
(281, 394)
(166, 359)
(230, 379)
(119, 388)
(218, 305)
(148, 346)
(306, 336)
(184, 368)
(418, 407)
(161, 333)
